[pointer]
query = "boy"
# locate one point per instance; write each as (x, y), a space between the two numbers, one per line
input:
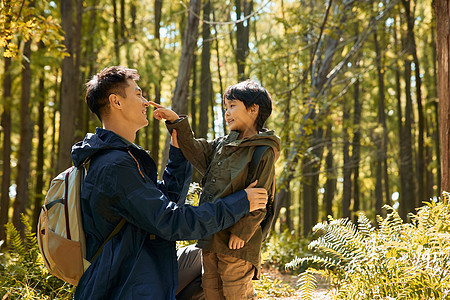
(231, 257)
(140, 261)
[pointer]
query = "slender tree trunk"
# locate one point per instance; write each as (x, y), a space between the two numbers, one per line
(205, 77)
(179, 100)
(436, 127)
(442, 9)
(23, 173)
(382, 139)
(116, 33)
(346, 168)
(194, 95)
(159, 50)
(38, 195)
(243, 9)
(411, 49)
(68, 90)
(6, 146)
(356, 143)
(224, 123)
(407, 160)
(330, 184)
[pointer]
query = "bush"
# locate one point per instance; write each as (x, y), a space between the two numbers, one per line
(397, 260)
(22, 271)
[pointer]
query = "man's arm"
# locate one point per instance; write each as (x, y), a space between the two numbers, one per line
(176, 177)
(141, 203)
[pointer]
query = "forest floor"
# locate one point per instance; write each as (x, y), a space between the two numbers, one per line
(322, 291)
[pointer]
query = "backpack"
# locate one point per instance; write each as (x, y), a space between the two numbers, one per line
(266, 223)
(60, 232)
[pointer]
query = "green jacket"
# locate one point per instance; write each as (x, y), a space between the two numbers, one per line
(224, 164)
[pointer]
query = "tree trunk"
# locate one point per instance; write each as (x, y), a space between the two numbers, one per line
(6, 146)
(243, 9)
(411, 49)
(38, 195)
(224, 123)
(346, 168)
(205, 77)
(194, 95)
(407, 160)
(442, 9)
(179, 100)
(159, 75)
(356, 143)
(116, 33)
(68, 90)
(23, 173)
(382, 139)
(330, 184)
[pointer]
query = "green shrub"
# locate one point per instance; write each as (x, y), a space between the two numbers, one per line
(397, 260)
(22, 272)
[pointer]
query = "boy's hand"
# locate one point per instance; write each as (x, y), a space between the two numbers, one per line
(235, 242)
(162, 112)
(256, 196)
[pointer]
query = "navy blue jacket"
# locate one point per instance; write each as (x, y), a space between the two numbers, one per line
(135, 264)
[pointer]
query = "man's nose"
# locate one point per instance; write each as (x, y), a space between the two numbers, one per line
(146, 103)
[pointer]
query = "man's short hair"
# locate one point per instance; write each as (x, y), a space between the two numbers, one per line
(250, 92)
(111, 80)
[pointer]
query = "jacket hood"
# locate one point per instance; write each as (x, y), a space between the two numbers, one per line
(102, 139)
(264, 137)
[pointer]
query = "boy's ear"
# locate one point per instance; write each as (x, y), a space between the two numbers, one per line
(254, 108)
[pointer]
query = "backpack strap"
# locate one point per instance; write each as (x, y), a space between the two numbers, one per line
(112, 234)
(256, 158)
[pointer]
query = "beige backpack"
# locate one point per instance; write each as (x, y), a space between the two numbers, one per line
(60, 231)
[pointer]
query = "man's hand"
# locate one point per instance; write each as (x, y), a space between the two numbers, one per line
(235, 242)
(162, 112)
(256, 196)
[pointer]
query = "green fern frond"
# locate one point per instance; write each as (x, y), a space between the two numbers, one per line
(306, 284)
(15, 240)
(365, 227)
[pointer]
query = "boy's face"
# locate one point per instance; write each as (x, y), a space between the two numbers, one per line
(239, 118)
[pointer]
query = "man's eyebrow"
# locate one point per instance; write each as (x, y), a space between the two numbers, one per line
(138, 89)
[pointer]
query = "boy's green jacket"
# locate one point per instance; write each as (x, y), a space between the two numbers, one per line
(224, 163)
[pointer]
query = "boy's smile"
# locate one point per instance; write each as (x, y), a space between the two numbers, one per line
(241, 119)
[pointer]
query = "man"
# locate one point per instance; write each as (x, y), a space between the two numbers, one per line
(140, 261)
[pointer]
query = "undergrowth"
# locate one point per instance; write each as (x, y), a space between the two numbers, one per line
(395, 260)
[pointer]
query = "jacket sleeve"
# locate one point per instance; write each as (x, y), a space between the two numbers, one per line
(176, 177)
(246, 227)
(141, 203)
(198, 151)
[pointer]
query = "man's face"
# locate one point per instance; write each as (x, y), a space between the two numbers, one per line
(238, 117)
(134, 105)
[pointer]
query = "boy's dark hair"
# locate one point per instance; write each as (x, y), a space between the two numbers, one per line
(111, 80)
(250, 92)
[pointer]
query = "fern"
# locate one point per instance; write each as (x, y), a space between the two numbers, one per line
(396, 260)
(306, 283)
(23, 275)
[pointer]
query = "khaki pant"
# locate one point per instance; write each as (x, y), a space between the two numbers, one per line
(227, 277)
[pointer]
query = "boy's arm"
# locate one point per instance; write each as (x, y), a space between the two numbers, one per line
(198, 151)
(246, 227)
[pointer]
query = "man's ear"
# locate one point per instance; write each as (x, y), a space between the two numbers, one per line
(114, 101)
